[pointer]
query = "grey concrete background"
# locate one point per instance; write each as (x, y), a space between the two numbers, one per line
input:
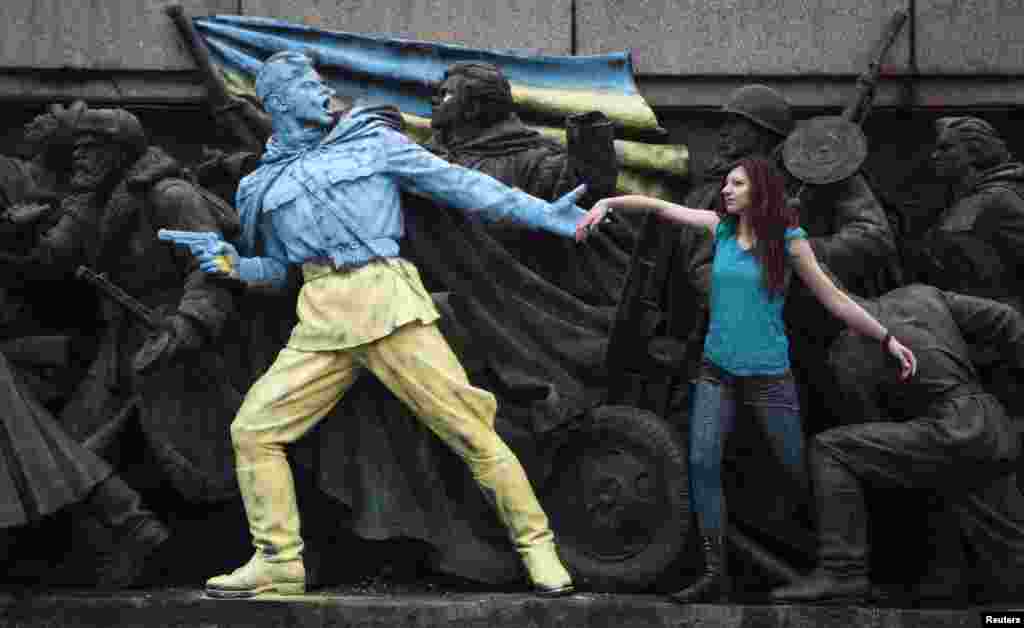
(543, 26)
(96, 35)
(970, 36)
(740, 37)
(687, 53)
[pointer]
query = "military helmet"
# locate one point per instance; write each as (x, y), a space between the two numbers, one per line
(763, 106)
(117, 124)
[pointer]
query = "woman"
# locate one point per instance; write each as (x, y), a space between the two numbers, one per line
(746, 352)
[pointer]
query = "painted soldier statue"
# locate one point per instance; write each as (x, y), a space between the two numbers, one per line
(475, 126)
(940, 432)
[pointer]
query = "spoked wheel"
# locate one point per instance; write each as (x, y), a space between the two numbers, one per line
(618, 498)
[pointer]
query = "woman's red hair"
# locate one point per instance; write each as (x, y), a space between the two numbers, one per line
(770, 216)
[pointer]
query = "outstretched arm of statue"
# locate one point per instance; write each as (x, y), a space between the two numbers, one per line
(845, 308)
(420, 172)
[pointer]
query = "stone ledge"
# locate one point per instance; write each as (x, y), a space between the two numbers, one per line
(190, 608)
(687, 92)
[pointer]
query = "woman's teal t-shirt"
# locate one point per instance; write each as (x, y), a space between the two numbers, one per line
(746, 335)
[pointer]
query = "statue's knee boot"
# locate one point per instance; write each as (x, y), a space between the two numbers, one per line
(507, 488)
(268, 493)
(842, 572)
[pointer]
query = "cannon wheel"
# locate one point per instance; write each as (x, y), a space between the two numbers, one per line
(618, 498)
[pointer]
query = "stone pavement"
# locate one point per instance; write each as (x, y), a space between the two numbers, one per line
(189, 608)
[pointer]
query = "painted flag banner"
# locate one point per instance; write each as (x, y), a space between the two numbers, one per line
(384, 70)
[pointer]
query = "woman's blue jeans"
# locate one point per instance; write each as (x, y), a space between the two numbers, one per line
(772, 399)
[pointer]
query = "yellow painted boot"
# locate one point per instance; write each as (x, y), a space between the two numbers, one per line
(549, 576)
(268, 493)
(506, 486)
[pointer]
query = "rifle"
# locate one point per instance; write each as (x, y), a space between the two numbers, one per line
(245, 122)
(216, 370)
(150, 319)
(827, 149)
(867, 83)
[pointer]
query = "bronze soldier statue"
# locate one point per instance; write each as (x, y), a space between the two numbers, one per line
(939, 432)
(121, 191)
(987, 190)
(45, 470)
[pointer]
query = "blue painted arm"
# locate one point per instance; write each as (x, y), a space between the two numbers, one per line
(422, 173)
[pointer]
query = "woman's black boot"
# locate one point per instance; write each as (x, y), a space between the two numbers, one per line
(714, 584)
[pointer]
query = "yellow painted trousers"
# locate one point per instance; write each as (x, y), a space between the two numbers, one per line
(416, 363)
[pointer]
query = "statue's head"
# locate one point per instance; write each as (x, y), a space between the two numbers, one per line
(471, 93)
(757, 119)
(49, 135)
(106, 142)
(289, 86)
(964, 145)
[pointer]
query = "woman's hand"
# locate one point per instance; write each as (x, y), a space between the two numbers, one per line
(908, 363)
(592, 219)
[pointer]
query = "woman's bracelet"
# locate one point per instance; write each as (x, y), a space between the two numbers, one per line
(885, 341)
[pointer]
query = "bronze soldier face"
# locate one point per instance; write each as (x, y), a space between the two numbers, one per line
(738, 137)
(94, 160)
(448, 106)
(950, 158)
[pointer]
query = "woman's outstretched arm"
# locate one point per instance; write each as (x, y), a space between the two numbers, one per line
(845, 308)
(636, 203)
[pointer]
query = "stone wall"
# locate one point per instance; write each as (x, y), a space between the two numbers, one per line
(688, 53)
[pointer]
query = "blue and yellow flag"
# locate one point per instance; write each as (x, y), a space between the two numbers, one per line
(404, 73)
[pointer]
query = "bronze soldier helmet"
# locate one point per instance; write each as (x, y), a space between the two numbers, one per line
(119, 125)
(763, 106)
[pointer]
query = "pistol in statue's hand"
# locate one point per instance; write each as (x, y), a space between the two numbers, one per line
(215, 255)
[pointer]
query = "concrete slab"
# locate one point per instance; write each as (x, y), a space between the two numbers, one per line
(124, 88)
(107, 35)
(186, 609)
(970, 36)
(739, 37)
(542, 26)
